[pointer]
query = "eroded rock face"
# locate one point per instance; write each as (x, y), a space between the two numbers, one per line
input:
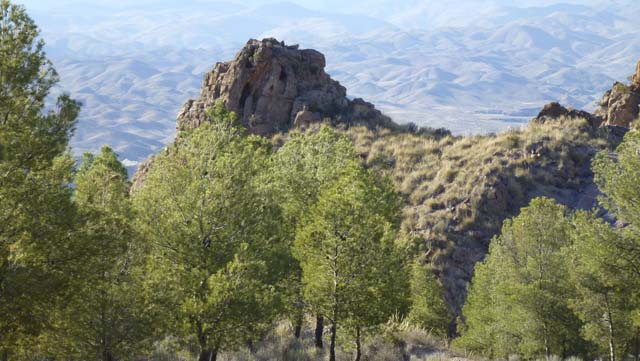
(273, 87)
(620, 106)
(270, 86)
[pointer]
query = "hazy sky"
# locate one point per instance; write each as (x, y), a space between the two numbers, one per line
(369, 7)
(409, 14)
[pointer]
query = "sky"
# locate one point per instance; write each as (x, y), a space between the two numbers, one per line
(381, 9)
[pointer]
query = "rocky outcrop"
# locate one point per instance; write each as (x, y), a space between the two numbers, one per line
(620, 106)
(635, 80)
(273, 87)
(553, 111)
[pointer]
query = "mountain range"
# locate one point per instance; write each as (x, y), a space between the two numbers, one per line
(478, 67)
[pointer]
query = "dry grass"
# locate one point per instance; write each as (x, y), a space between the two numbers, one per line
(393, 343)
(397, 341)
(461, 188)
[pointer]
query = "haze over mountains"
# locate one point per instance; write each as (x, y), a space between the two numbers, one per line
(477, 66)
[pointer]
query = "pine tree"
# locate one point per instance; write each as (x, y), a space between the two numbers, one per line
(215, 235)
(36, 212)
(480, 328)
(522, 289)
(604, 297)
(428, 309)
(618, 177)
(104, 316)
(352, 272)
(301, 167)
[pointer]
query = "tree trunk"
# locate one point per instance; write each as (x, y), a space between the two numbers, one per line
(208, 355)
(106, 356)
(547, 351)
(637, 353)
(612, 347)
(319, 331)
(4, 355)
(358, 345)
(298, 327)
(332, 349)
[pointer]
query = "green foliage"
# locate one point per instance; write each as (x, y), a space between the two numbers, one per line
(518, 303)
(306, 163)
(428, 309)
(618, 178)
(36, 212)
(27, 136)
(215, 234)
(609, 267)
(605, 293)
(104, 315)
(352, 271)
(548, 276)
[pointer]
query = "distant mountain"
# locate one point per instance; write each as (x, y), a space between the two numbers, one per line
(474, 67)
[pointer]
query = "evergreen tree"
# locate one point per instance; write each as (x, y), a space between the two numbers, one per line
(604, 297)
(36, 212)
(352, 272)
(480, 328)
(104, 315)
(618, 177)
(215, 234)
(428, 309)
(301, 167)
(527, 307)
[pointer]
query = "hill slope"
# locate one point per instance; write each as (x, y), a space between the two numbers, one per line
(458, 190)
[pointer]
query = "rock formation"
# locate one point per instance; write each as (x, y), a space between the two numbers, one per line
(273, 87)
(620, 106)
(553, 111)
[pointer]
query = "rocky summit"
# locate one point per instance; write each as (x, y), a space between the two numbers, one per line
(273, 87)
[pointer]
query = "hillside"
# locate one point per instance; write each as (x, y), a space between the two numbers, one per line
(290, 221)
(457, 189)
